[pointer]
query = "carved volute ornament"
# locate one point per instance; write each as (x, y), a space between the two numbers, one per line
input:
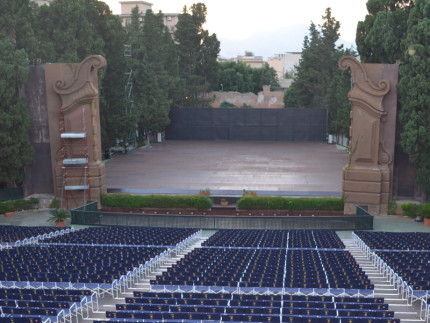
(367, 113)
(366, 178)
(79, 171)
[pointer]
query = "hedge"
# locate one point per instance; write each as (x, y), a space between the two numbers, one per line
(129, 201)
(288, 203)
(18, 205)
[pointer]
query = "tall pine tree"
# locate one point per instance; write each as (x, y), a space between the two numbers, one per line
(15, 122)
(413, 91)
(197, 51)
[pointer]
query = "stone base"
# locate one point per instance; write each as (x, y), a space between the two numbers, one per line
(366, 186)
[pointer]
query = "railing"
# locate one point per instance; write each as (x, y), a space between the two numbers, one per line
(89, 215)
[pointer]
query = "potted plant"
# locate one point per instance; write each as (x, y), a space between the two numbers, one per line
(426, 214)
(58, 216)
(249, 193)
(224, 202)
(8, 209)
(205, 192)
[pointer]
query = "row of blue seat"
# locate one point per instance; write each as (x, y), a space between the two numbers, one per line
(62, 263)
(395, 240)
(266, 268)
(275, 239)
(13, 233)
(344, 316)
(126, 236)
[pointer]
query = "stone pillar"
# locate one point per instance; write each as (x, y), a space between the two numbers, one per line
(73, 107)
(367, 177)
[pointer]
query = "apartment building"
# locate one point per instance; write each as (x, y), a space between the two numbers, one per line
(170, 19)
(283, 63)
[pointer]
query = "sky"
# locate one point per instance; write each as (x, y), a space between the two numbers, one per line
(266, 27)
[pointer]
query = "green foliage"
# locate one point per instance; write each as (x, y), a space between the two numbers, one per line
(316, 67)
(392, 208)
(66, 31)
(239, 77)
(410, 209)
(128, 201)
(197, 52)
(336, 99)
(225, 104)
(55, 203)
(426, 210)
(15, 122)
(292, 204)
(413, 88)
(380, 35)
(18, 205)
(58, 215)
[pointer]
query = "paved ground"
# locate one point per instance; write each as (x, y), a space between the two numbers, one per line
(228, 167)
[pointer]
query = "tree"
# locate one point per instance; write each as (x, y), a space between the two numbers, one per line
(15, 122)
(318, 82)
(336, 100)
(303, 91)
(239, 77)
(65, 32)
(413, 92)
(380, 35)
(265, 75)
(197, 52)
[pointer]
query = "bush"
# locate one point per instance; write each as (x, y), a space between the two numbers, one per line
(426, 210)
(18, 205)
(288, 203)
(412, 210)
(392, 208)
(128, 201)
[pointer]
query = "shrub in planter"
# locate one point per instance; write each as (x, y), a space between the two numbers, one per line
(406, 208)
(18, 205)
(128, 201)
(292, 204)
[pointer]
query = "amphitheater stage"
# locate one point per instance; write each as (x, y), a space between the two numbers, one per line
(229, 167)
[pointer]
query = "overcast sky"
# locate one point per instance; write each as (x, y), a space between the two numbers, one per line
(266, 27)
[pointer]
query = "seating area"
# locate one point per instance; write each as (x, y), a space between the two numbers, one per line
(148, 306)
(272, 261)
(63, 275)
(126, 236)
(395, 240)
(41, 305)
(11, 235)
(405, 260)
(276, 269)
(275, 239)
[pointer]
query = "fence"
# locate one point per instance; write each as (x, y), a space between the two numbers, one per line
(89, 215)
(247, 124)
(14, 193)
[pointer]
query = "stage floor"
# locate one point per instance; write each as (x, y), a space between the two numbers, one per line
(228, 167)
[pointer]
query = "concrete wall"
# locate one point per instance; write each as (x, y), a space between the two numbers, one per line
(264, 99)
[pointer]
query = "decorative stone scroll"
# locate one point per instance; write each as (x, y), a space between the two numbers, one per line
(74, 99)
(367, 177)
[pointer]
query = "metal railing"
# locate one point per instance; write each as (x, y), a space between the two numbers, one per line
(89, 215)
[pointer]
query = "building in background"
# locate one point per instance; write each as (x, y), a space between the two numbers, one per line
(252, 61)
(42, 2)
(285, 63)
(170, 19)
